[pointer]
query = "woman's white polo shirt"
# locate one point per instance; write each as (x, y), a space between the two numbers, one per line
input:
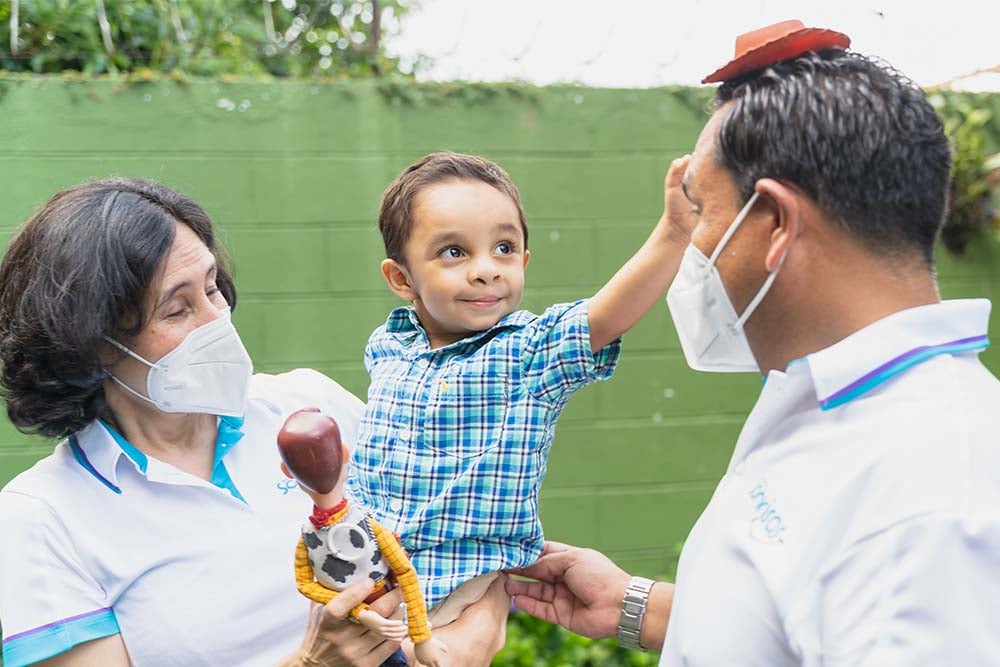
(100, 539)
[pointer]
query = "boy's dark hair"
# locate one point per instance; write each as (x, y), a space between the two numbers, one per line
(77, 271)
(395, 216)
(857, 136)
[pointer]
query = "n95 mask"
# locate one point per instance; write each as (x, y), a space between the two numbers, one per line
(710, 331)
(208, 372)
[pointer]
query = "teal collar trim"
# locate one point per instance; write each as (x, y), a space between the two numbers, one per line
(229, 433)
(140, 459)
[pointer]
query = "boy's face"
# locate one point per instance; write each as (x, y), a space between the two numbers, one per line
(464, 260)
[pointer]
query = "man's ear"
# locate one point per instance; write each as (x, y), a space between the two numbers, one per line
(398, 279)
(787, 208)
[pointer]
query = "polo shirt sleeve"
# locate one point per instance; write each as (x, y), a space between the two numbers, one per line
(557, 359)
(922, 592)
(49, 602)
(303, 388)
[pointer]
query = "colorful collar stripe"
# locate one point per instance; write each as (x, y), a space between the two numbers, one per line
(82, 459)
(896, 366)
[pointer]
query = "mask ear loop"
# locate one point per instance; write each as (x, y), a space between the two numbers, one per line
(137, 358)
(740, 217)
(132, 354)
(761, 293)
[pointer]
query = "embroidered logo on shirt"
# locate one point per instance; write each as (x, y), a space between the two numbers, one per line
(287, 485)
(767, 525)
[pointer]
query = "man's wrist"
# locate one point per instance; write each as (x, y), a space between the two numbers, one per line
(633, 612)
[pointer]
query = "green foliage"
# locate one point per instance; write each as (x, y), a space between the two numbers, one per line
(973, 181)
(202, 37)
(535, 643)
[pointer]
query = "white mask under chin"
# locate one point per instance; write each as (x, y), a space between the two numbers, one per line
(209, 372)
(710, 331)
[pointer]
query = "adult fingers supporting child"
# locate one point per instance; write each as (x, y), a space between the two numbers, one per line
(335, 641)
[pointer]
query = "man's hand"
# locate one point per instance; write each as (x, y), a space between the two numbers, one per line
(580, 589)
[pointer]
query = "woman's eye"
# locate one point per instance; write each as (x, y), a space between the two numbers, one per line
(451, 252)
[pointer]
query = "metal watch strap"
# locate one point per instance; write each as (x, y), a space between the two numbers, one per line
(633, 611)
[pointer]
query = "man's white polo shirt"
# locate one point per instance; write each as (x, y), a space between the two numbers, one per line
(100, 539)
(859, 520)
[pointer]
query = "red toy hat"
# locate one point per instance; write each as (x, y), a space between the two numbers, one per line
(774, 43)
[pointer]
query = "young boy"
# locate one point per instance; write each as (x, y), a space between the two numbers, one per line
(466, 389)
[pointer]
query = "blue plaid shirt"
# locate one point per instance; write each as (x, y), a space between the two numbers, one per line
(452, 448)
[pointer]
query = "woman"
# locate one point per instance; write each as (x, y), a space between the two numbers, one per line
(160, 531)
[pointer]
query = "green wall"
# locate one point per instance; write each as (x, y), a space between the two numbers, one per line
(292, 172)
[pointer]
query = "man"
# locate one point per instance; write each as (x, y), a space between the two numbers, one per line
(858, 522)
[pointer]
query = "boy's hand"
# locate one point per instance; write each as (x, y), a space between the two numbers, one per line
(677, 210)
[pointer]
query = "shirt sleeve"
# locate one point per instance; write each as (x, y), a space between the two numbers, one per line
(304, 387)
(557, 358)
(923, 592)
(49, 602)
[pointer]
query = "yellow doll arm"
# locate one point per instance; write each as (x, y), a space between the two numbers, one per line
(313, 589)
(406, 577)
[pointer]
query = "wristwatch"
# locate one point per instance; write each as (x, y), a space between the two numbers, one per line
(633, 611)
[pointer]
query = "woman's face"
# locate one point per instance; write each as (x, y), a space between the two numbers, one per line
(184, 298)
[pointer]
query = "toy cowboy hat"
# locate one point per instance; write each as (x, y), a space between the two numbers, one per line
(774, 43)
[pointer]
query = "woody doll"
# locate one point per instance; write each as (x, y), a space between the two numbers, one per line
(341, 544)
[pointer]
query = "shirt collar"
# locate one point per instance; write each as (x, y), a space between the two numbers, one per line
(404, 321)
(99, 447)
(888, 347)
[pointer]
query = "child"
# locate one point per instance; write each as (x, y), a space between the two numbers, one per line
(466, 389)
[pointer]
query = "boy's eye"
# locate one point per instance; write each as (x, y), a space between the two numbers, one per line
(452, 252)
(505, 248)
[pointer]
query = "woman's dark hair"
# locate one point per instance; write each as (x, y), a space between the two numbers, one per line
(858, 137)
(78, 271)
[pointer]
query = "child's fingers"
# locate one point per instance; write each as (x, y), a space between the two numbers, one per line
(675, 174)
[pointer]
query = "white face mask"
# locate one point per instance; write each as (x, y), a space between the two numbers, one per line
(209, 372)
(710, 331)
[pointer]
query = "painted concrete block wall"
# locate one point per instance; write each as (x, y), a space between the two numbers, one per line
(292, 172)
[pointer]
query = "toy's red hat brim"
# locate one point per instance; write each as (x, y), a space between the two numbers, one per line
(773, 44)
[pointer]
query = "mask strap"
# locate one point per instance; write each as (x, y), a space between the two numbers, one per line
(132, 391)
(760, 294)
(130, 353)
(740, 217)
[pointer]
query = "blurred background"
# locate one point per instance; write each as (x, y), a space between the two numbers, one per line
(287, 119)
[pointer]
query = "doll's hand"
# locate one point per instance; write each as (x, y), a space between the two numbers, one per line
(386, 628)
(431, 653)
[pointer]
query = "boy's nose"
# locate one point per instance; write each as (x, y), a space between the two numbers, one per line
(484, 271)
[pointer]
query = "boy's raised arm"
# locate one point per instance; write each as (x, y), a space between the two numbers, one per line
(636, 287)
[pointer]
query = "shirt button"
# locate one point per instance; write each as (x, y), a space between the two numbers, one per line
(396, 504)
(405, 434)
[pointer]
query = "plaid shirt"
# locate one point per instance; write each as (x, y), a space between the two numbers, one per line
(453, 445)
